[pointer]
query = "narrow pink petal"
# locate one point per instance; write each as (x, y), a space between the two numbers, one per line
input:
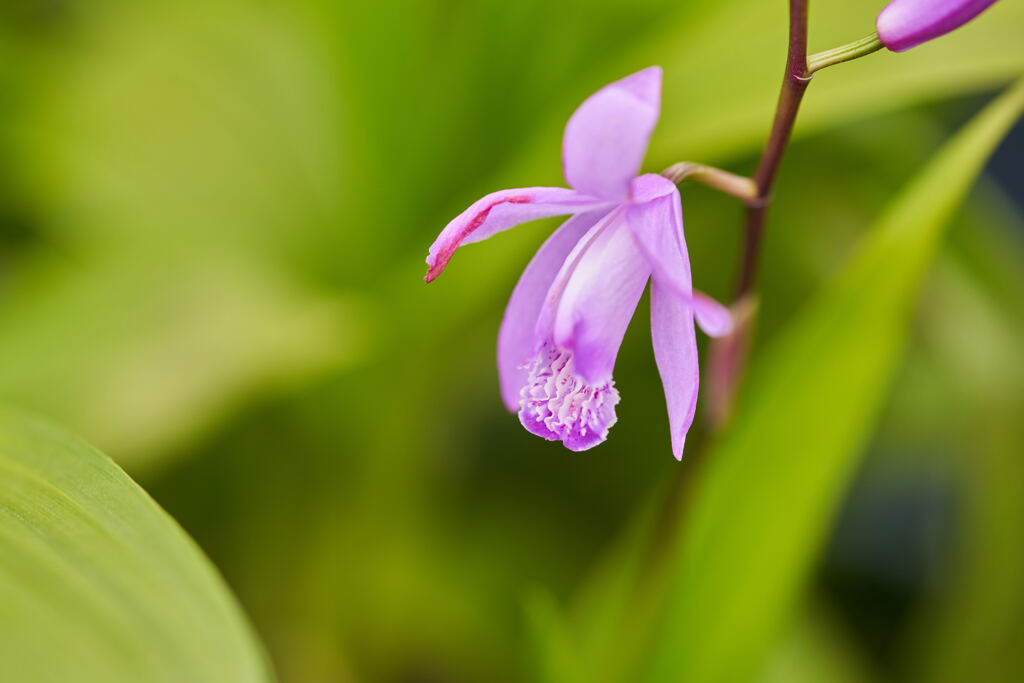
(502, 210)
(657, 227)
(714, 318)
(515, 339)
(675, 352)
(599, 298)
(656, 223)
(606, 138)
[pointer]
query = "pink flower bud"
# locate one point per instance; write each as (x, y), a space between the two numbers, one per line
(904, 24)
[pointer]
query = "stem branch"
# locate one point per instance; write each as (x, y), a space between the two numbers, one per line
(738, 186)
(844, 53)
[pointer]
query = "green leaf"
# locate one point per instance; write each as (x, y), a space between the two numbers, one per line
(147, 354)
(970, 628)
(815, 649)
(97, 583)
(773, 482)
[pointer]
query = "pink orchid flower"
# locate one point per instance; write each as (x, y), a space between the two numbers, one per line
(567, 316)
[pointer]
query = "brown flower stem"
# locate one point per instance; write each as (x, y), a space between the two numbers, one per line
(730, 353)
(794, 85)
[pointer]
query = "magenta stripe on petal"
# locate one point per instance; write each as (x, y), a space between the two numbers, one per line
(502, 210)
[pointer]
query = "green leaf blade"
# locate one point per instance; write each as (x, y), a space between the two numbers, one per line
(97, 582)
(775, 478)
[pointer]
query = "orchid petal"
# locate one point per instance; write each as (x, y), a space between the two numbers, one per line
(515, 339)
(656, 223)
(549, 308)
(599, 297)
(502, 210)
(714, 318)
(606, 138)
(675, 352)
(657, 226)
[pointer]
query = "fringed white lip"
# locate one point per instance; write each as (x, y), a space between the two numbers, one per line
(557, 405)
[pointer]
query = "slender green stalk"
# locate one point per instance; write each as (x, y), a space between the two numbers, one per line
(844, 53)
(738, 186)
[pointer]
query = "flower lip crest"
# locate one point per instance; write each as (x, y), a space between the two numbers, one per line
(557, 405)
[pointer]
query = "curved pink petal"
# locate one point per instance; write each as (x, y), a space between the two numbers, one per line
(656, 226)
(606, 138)
(502, 210)
(656, 223)
(549, 308)
(714, 318)
(651, 186)
(599, 298)
(675, 352)
(515, 339)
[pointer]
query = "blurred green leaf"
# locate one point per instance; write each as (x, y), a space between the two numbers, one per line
(577, 648)
(181, 124)
(773, 481)
(816, 649)
(970, 628)
(144, 354)
(97, 582)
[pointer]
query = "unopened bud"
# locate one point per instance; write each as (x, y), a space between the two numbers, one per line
(904, 24)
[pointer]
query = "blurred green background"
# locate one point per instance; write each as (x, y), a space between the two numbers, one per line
(213, 219)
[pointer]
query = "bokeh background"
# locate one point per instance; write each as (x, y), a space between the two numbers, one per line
(213, 219)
